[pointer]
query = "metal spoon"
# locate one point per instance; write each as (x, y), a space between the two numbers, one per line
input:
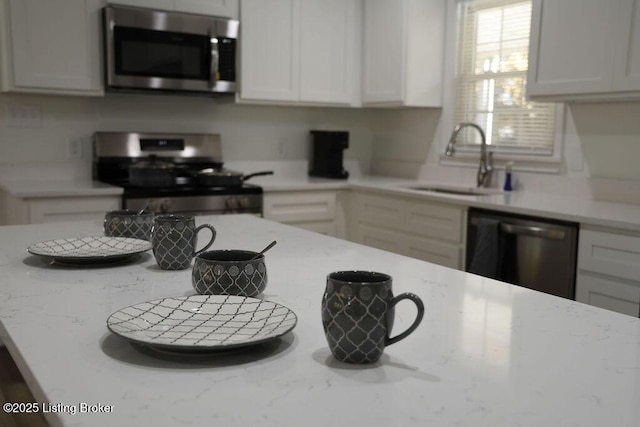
(269, 246)
(141, 211)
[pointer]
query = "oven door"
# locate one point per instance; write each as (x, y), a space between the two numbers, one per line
(151, 50)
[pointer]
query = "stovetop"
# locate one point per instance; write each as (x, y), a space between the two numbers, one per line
(115, 152)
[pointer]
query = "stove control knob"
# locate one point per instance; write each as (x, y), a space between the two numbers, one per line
(151, 205)
(244, 202)
(232, 203)
(165, 206)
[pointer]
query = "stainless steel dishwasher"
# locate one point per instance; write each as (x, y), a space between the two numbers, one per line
(535, 253)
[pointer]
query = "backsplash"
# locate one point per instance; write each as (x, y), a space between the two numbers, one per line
(51, 136)
(248, 132)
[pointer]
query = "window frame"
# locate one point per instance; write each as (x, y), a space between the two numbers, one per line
(468, 156)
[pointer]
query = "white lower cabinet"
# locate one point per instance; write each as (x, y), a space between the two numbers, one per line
(55, 209)
(419, 228)
(319, 211)
(609, 270)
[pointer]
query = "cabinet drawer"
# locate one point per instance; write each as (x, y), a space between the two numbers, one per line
(433, 220)
(71, 209)
(603, 292)
(300, 207)
(609, 254)
(383, 211)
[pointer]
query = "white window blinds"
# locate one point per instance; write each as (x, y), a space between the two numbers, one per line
(491, 79)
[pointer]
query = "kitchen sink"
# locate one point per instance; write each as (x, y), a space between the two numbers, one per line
(456, 190)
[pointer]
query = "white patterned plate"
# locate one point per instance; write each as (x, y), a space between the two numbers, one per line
(202, 322)
(90, 249)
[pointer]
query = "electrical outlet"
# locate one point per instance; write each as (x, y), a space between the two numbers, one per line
(75, 148)
(282, 148)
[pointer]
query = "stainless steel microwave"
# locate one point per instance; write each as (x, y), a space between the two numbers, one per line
(169, 52)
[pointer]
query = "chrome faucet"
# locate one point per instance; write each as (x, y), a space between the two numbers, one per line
(486, 158)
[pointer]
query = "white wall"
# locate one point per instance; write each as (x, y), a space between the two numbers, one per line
(249, 133)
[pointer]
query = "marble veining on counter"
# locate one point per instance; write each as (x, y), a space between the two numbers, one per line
(486, 353)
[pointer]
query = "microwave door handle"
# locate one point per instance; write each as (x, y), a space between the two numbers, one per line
(215, 59)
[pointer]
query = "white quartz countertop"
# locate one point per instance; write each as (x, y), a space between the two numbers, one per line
(561, 207)
(486, 353)
(35, 188)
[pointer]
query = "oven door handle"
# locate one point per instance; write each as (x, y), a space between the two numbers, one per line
(215, 60)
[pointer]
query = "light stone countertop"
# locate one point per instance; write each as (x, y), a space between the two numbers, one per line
(35, 188)
(486, 354)
(582, 210)
(625, 216)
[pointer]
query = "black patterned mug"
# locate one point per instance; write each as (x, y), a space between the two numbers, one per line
(128, 223)
(174, 240)
(229, 272)
(358, 309)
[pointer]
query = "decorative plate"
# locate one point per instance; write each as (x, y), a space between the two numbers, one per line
(90, 249)
(202, 322)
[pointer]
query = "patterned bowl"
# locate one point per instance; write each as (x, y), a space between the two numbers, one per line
(126, 223)
(229, 272)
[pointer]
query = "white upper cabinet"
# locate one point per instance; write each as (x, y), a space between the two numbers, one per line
(300, 51)
(269, 47)
(584, 50)
(627, 62)
(330, 51)
(51, 47)
(403, 52)
(224, 8)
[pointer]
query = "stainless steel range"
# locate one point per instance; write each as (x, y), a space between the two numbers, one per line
(173, 173)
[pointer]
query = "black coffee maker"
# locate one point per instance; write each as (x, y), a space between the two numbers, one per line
(326, 154)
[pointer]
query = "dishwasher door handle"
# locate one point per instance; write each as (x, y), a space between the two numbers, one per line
(528, 230)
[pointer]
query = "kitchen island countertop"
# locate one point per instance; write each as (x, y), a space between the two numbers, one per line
(486, 353)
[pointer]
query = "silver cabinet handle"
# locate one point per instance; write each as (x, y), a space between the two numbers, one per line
(527, 230)
(215, 58)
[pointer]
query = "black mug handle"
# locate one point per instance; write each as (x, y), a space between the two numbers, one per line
(213, 237)
(419, 305)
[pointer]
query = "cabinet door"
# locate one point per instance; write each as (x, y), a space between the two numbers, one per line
(609, 293)
(572, 46)
(328, 51)
(403, 52)
(609, 271)
(55, 46)
(225, 8)
(269, 53)
(627, 65)
(434, 251)
(380, 238)
(384, 51)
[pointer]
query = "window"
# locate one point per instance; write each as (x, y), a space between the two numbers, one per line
(491, 78)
